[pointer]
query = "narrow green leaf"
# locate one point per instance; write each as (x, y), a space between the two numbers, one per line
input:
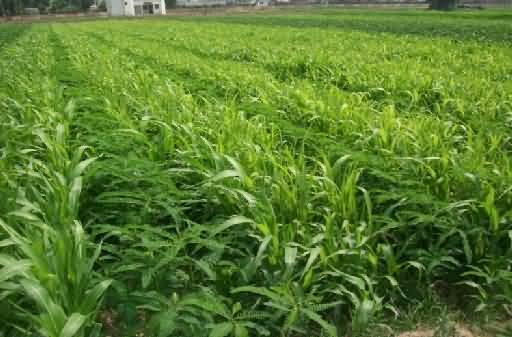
(79, 169)
(73, 325)
(241, 331)
(205, 267)
(221, 329)
(14, 269)
(93, 296)
(235, 220)
(290, 255)
(326, 326)
(260, 291)
(313, 254)
(167, 323)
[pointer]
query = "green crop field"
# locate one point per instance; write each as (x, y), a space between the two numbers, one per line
(289, 173)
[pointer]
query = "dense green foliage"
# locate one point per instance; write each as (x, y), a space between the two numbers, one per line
(297, 175)
(16, 7)
(445, 5)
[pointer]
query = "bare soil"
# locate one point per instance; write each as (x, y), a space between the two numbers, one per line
(458, 331)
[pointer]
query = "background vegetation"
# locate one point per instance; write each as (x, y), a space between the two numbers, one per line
(16, 7)
(301, 175)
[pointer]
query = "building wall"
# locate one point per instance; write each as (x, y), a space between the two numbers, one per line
(129, 10)
(241, 2)
(128, 7)
(200, 3)
(115, 7)
(161, 6)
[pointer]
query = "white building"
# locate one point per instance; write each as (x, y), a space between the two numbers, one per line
(200, 3)
(135, 7)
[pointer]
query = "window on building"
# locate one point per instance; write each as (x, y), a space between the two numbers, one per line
(157, 6)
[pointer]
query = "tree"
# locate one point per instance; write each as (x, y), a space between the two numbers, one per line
(11, 7)
(55, 5)
(81, 4)
(443, 5)
(15, 7)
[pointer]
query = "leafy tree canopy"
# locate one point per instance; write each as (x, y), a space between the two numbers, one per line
(15, 7)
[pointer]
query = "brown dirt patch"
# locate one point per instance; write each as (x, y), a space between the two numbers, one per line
(418, 333)
(458, 331)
